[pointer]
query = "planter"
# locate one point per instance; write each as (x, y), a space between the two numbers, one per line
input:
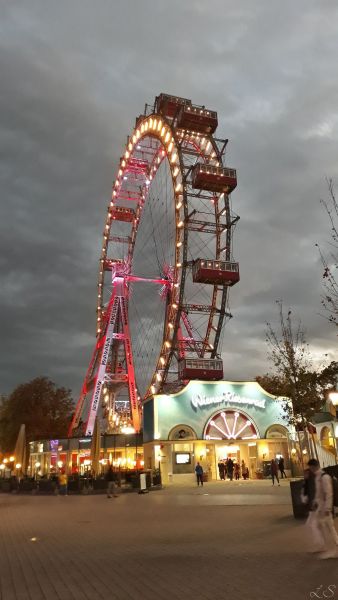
(46, 486)
(6, 486)
(300, 510)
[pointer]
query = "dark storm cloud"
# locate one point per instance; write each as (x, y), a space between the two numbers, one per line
(73, 78)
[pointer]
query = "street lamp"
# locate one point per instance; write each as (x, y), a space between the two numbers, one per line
(333, 396)
(18, 467)
(11, 460)
(36, 466)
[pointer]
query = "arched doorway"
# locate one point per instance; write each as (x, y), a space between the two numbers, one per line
(233, 435)
(326, 439)
(230, 425)
(276, 431)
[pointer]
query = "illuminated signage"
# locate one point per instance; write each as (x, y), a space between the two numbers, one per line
(200, 400)
(182, 458)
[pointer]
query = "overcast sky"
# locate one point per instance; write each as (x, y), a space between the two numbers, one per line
(75, 74)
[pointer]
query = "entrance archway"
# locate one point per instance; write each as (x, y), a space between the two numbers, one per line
(230, 425)
(326, 439)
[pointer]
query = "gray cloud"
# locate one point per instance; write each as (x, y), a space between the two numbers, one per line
(75, 76)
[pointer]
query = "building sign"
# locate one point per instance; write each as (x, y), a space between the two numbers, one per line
(200, 401)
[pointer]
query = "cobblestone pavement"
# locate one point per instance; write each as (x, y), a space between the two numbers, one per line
(237, 542)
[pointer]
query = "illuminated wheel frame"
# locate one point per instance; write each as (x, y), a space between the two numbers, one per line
(193, 313)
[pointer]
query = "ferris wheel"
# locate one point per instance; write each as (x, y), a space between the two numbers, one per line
(165, 268)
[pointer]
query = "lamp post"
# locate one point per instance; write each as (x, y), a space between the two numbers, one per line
(36, 466)
(17, 470)
(11, 460)
(333, 396)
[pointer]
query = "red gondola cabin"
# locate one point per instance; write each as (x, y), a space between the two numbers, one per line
(206, 369)
(167, 105)
(197, 119)
(216, 272)
(214, 179)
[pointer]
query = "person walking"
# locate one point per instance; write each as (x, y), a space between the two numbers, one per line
(274, 472)
(307, 497)
(110, 478)
(281, 467)
(245, 470)
(63, 481)
(230, 468)
(237, 470)
(199, 474)
(323, 506)
(221, 469)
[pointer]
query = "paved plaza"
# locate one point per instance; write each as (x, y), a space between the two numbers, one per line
(226, 540)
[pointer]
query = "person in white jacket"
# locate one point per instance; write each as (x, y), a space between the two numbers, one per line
(323, 505)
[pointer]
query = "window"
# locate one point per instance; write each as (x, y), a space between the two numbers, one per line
(182, 458)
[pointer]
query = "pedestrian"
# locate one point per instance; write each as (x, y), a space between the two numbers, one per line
(221, 469)
(63, 481)
(237, 470)
(230, 468)
(274, 472)
(323, 507)
(307, 496)
(110, 478)
(281, 467)
(245, 470)
(225, 468)
(199, 474)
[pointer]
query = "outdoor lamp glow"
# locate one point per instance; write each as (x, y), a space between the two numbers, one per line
(2, 467)
(334, 398)
(60, 464)
(18, 466)
(5, 460)
(11, 459)
(293, 451)
(37, 464)
(304, 451)
(127, 429)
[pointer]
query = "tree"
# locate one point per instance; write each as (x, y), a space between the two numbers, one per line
(43, 407)
(292, 377)
(327, 380)
(330, 260)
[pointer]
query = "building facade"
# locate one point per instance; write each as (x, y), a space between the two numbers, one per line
(208, 422)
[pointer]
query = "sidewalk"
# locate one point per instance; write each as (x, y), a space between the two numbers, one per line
(168, 545)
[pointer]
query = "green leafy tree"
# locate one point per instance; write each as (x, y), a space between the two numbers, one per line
(328, 380)
(43, 407)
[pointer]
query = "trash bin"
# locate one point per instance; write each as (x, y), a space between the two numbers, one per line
(300, 510)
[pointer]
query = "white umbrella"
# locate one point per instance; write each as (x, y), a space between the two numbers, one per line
(96, 447)
(20, 450)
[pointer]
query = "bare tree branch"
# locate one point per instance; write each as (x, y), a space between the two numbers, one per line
(330, 259)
